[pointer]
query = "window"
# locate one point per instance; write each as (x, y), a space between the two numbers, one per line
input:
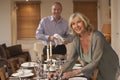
(28, 17)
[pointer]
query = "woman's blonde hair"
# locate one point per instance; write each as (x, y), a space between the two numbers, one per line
(88, 27)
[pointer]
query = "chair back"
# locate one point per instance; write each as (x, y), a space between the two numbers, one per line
(2, 73)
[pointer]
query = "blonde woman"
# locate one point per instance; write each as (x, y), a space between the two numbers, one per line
(93, 50)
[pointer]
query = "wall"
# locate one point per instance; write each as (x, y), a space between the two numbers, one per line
(115, 24)
(103, 13)
(5, 22)
(45, 11)
(46, 7)
(7, 27)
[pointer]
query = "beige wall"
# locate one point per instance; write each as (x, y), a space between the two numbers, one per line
(6, 24)
(46, 7)
(115, 23)
(5, 21)
(45, 11)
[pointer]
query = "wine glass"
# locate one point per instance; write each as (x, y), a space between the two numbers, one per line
(37, 71)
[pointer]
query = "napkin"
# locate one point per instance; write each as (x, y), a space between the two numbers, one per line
(59, 39)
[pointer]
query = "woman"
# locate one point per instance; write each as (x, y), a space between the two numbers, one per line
(93, 50)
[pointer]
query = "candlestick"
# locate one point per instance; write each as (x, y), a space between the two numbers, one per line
(48, 52)
(50, 49)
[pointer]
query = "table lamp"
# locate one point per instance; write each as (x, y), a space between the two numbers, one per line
(106, 30)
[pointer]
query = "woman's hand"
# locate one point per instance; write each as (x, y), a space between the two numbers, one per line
(70, 74)
(52, 75)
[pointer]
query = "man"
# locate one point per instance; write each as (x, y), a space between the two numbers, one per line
(50, 26)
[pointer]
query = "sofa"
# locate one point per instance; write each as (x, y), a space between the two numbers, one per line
(13, 55)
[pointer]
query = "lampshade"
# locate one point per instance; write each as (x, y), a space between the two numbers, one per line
(106, 29)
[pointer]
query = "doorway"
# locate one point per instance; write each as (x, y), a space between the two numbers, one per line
(89, 9)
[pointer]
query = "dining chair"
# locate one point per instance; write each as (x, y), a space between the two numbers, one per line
(2, 73)
(14, 65)
(95, 74)
(5, 69)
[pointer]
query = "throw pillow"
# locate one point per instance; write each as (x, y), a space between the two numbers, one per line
(2, 52)
(15, 50)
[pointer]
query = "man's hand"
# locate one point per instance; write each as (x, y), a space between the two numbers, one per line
(52, 38)
(64, 41)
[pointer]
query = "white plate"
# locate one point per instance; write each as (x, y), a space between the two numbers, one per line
(78, 78)
(76, 67)
(24, 70)
(29, 64)
(22, 75)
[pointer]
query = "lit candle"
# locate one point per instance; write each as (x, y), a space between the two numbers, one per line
(50, 49)
(48, 52)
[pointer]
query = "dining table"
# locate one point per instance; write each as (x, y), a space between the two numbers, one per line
(38, 70)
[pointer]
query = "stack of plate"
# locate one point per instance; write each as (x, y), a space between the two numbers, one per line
(78, 78)
(77, 66)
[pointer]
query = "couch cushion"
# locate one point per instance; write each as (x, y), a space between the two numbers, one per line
(6, 52)
(15, 50)
(2, 52)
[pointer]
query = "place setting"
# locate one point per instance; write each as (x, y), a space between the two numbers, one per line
(22, 73)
